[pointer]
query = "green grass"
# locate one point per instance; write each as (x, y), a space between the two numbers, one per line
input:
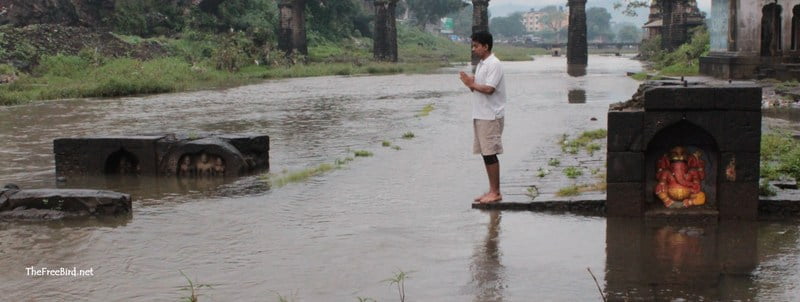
(362, 153)
(573, 172)
(425, 110)
(553, 162)
(532, 192)
(386, 143)
(584, 141)
(287, 177)
(780, 156)
(408, 135)
(572, 190)
(591, 148)
(542, 172)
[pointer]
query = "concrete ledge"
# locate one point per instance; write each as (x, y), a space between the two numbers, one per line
(767, 209)
(590, 207)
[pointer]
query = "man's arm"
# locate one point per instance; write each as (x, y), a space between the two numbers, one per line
(469, 81)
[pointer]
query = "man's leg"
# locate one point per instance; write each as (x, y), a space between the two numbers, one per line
(493, 171)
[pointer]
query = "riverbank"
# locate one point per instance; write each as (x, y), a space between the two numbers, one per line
(45, 62)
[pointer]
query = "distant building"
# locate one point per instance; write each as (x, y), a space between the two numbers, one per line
(756, 38)
(534, 21)
(679, 17)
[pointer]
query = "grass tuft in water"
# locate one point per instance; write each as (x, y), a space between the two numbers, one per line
(399, 279)
(533, 192)
(386, 143)
(362, 153)
(542, 172)
(555, 162)
(192, 288)
(425, 110)
(572, 190)
(573, 172)
(408, 135)
(584, 141)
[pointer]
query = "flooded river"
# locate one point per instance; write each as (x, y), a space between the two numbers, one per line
(339, 236)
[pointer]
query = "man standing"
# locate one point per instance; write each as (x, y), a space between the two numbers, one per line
(488, 111)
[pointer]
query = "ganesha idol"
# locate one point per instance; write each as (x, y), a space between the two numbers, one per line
(679, 178)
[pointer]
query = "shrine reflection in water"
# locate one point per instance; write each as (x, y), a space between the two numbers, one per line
(656, 261)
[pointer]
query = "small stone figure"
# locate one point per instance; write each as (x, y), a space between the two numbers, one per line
(219, 167)
(185, 167)
(127, 166)
(204, 165)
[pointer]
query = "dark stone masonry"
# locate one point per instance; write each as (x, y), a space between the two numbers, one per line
(53, 203)
(162, 155)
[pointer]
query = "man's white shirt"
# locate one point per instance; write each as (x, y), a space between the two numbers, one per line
(489, 106)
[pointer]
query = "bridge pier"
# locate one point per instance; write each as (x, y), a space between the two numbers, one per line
(577, 49)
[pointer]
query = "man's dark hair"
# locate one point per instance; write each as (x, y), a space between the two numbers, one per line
(483, 38)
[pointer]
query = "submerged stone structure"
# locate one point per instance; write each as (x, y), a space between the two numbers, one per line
(52, 203)
(162, 154)
(753, 38)
(682, 149)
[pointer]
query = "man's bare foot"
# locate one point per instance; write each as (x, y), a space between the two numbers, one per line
(477, 199)
(491, 198)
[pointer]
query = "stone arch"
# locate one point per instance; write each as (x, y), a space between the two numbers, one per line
(771, 30)
(232, 161)
(796, 27)
(122, 162)
(692, 136)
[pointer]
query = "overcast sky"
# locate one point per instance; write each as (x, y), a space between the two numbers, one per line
(705, 5)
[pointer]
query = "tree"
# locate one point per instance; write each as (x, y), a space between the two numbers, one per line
(462, 21)
(334, 20)
(510, 26)
(598, 24)
(629, 6)
(430, 11)
(554, 19)
(629, 33)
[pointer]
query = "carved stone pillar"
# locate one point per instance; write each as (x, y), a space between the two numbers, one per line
(385, 42)
(480, 21)
(285, 26)
(292, 26)
(577, 52)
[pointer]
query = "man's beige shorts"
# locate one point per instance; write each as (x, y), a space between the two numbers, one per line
(488, 135)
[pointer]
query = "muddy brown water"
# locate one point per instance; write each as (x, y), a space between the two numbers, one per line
(339, 236)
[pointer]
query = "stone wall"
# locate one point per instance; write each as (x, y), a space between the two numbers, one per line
(167, 155)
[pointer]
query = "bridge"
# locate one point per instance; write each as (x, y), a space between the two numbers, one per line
(591, 45)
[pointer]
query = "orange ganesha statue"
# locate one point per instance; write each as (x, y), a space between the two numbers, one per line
(679, 178)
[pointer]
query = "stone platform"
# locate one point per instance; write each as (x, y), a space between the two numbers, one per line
(57, 203)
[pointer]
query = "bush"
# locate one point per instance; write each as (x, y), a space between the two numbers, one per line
(61, 65)
(232, 54)
(147, 17)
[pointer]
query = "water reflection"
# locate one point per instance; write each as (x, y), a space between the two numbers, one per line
(656, 261)
(576, 96)
(487, 271)
(147, 187)
(790, 114)
(576, 70)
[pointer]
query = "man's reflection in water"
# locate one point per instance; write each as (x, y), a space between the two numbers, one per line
(487, 272)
